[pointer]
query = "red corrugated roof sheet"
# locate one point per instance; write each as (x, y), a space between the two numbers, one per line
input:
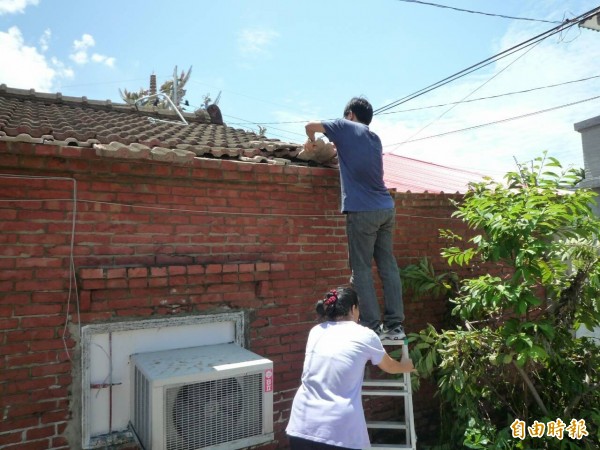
(407, 174)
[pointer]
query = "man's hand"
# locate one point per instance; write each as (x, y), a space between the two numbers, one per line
(310, 145)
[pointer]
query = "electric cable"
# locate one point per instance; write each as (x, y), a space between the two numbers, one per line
(506, 94)
(72, 281)
(489, 97)
(563, 26)
(332, 215)
(478, 12)
(469, 94)
(508, 119)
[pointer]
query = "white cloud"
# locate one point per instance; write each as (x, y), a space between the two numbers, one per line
(80, 49)
(102, 59)
(26, 68)
(87, 41)
(45, 40)
(254, 42)
(64, 71)
(81, 55)
(15, 6)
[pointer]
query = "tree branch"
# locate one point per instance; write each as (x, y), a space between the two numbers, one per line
(531, 387)
(577, 399)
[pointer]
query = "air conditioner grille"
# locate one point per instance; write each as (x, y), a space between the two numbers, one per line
(213, 412)
(141, 403)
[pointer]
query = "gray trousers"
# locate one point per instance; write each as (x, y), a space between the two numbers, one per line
(370, 236)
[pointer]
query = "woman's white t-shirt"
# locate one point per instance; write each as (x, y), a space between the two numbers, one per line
(328, 407)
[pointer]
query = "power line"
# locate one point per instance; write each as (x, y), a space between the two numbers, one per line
(478, 12)
(524, 91)
(469, 94)
(505, 94)
(495, 122)
(333, 215)
(563, 26)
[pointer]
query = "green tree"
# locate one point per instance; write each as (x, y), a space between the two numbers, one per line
(515, 355)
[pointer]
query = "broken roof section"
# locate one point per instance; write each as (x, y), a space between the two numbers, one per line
(124, 131)
(407, 174)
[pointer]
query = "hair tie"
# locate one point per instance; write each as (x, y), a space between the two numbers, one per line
(331, 297)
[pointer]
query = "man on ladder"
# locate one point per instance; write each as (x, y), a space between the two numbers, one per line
(370, 215)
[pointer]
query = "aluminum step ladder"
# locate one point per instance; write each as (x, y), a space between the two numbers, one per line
(394, 387)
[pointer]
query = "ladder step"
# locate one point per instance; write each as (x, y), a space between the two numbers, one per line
(392, 446)
(393, 342)
(397, 383)
(390, 425)
(385, 392)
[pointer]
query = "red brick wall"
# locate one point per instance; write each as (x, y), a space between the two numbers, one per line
(155, 239)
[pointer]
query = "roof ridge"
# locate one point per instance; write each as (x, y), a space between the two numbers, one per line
(59, 98)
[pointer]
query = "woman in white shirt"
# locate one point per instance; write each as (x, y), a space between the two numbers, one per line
(327, 410)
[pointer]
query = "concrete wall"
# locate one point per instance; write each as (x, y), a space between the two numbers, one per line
(590, 141)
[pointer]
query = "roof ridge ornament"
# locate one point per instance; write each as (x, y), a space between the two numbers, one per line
(152, 119)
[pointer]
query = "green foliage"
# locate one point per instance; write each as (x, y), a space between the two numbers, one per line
(515, 354)
(421, 278)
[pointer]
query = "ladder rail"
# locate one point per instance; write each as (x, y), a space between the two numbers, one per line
(397, 387)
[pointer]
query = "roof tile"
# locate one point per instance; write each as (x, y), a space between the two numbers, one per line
(122, 131)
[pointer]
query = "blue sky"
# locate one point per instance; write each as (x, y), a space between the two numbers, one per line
(282, 63)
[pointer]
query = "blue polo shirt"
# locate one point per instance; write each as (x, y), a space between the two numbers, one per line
(360, 156)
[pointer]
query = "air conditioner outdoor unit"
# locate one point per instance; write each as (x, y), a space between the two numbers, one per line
(210, 397)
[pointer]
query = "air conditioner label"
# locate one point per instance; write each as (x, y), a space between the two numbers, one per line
(268, 380)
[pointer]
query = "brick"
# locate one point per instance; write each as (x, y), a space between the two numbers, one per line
(51, 369)
(91, 273)
(10, 438)
(263, 267)
(137, 272)
(214, 268)
(33, 285)
(244, 268)
(92, 284)
(116, 273)
(158, 271)
(41, 432)
(118, 283)
(29, 359)
(277, 267)
(38, 310)
(229, 268)
(231, 278)
(27, 335)
(35, 445)
(15, 424)
(42, 321)
(158, 282)
(9, 324)
(177, 270)
(195, 270)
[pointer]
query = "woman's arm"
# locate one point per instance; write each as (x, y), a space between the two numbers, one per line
(390, 365)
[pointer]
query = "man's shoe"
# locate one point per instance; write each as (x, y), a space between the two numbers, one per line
(396, 334)
(379, 331)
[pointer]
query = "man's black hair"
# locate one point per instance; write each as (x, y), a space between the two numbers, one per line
(361, 108)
